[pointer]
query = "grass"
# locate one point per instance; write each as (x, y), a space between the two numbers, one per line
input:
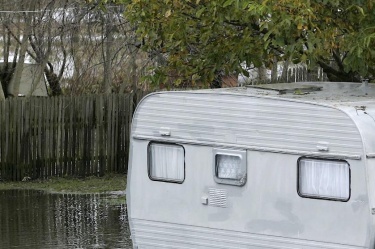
(87, 185)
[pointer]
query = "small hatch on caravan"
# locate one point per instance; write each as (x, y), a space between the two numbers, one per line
(274, 166)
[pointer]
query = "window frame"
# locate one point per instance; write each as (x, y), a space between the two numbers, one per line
(242, 154)
(322, 197)
(149, 160)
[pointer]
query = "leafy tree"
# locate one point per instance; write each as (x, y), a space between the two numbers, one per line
(336, 35)
(193, 40)
(197, 39)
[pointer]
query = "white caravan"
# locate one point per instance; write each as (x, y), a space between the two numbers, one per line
(271, 166)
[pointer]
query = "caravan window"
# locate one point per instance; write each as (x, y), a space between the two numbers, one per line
(230, 166)
(166, 162)
(324, 179)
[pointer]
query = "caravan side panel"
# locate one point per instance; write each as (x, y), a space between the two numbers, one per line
(265, 212)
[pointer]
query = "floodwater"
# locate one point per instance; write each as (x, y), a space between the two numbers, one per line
(32, 219)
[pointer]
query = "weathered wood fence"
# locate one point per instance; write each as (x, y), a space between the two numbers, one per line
(81, 136)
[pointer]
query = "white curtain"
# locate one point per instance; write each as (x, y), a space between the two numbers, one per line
(228, 167)
(327, 179)
(167, 162)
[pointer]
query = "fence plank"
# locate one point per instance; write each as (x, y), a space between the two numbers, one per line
(101, 129)
(66, 135)
(14, 132)
(33, 138)
(2, 135)
(82, 136)
(7, 141)
(25, 143)
(59, 144)
(18, 130)
(90, 136)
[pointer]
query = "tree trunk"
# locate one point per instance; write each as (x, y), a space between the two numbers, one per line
(217, 82)
(284, 74)
(2, 96)
(262, 74)
(107, 81)
(53, 81)
(14, 85)
(4, 68)
(274, 71)
(336, 75)
(75, 43)
(134, 77)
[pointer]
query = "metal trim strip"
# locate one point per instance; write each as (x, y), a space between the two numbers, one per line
(254, 148)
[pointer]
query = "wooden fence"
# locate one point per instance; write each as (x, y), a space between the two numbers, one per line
(81, 136)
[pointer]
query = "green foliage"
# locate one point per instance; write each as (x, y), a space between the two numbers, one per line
(325, 31)
(200, 37)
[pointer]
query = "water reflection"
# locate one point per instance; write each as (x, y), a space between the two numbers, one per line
(34, 219)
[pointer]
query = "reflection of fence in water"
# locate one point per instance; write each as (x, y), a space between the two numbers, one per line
(33, 219)
(83, 219)
(85, 135)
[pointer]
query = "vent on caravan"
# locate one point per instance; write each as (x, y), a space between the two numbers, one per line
(283, 88)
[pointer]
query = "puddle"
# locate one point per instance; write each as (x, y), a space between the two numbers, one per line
(36, 219)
